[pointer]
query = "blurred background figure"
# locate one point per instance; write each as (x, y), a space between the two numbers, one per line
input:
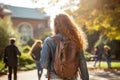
(11, 59)
(35, 52)
(107, 53)
(97, 55)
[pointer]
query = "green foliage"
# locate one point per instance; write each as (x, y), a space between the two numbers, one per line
(26, 62)
(102, 15)
(88, 56)
(114, 65)
(2, 69)
(4, 36)
(26, 49)
(25, 59)
(1, 64)
(99, 18)
(27, 67)
(6, 31)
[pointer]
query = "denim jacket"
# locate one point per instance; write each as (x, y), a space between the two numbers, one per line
(48, 52)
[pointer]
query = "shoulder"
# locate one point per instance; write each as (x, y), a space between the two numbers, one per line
(14, 46)
(48, 40)
(51, 39)
(7, 46)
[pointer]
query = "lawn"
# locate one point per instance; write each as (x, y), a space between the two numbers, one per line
(113, 65)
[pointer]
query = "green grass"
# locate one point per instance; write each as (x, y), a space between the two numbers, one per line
(1, 64)
(113, 65)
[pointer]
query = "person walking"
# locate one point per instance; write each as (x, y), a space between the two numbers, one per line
(98, 55)
(108, 55)
(11, 59)
(35, 52)
(64, 27)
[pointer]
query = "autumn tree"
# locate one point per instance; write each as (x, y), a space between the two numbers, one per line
(98, 18)
(100, 15)
(101, 19)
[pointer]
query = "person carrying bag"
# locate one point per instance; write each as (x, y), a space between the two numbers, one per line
(63, 53)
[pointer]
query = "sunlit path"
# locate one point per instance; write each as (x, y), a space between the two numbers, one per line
(26, 75)
(94, 75)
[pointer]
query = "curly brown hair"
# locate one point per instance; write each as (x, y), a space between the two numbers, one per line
(37, 44)
(64, 24)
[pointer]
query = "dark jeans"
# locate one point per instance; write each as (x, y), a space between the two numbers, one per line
(39, 69)
(108, 59)
(97, 59)
(14, 69)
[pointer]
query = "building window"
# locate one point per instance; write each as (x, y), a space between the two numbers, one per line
(26, 32)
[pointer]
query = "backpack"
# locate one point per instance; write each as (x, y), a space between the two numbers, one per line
(66, 60)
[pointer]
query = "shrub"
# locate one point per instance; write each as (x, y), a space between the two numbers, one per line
(27, 67)
(6, 31)
(25, 59)
(25, 49)
(2, 69)
(25, 62)
(88, 56)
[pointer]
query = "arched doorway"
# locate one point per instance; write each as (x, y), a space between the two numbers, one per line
(26, 31)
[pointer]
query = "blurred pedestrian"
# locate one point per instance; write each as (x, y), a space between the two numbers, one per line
(97, 56)
(107, 52)
(35, 52)
(11, 59)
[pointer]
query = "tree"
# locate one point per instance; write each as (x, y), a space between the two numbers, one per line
(98, 18)
(97, 15)
(4, 36)
(100, 15)
(6, 31)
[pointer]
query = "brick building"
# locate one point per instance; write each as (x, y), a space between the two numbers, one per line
(29, 22)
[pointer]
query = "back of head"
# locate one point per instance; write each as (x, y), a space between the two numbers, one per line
(66, 26)
(97, 47)
(107, 47)
(62, 23)
(37, 44)
(12, 40)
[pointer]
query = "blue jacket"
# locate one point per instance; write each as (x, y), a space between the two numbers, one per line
(48, 52)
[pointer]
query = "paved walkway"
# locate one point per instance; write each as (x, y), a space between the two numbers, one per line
(95, 74)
